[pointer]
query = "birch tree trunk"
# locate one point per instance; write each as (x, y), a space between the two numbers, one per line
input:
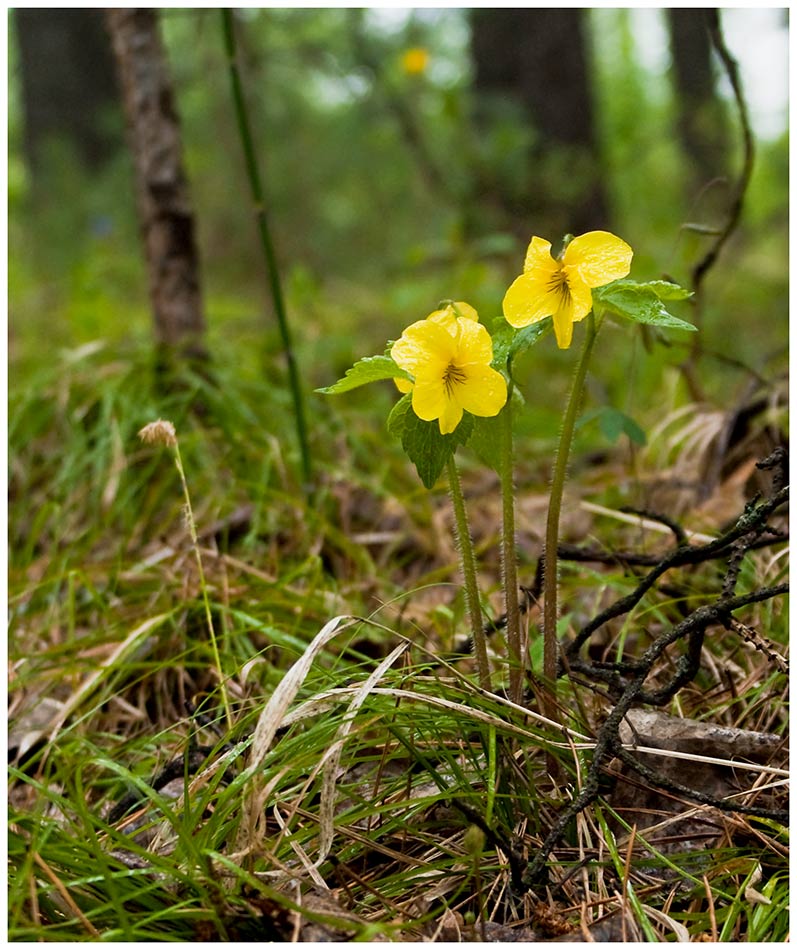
(164, 206)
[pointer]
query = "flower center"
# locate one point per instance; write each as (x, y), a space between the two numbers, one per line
(558, 284)
(453, 376)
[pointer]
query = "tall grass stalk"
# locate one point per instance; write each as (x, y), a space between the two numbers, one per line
(266, 242)
(202, 583)
(163, 433)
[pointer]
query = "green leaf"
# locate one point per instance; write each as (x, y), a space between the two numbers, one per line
(486, 437)
(367, 370)
(397, 420)
(508, 342)
(614, 423)
(426, 447)
(639, 302)
(667, 290)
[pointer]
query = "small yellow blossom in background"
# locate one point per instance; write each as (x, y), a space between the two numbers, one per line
(448, 355)
(415, 60)
(562, 288)
(160, 432)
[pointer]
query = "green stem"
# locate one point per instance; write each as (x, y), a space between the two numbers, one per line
(203, 585)
(247, 143)
(550, 611)
(508, 553)
(468, 562)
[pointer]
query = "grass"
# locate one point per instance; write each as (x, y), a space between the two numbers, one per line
(374, 792)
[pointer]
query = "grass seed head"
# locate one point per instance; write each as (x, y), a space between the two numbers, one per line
(160, 432)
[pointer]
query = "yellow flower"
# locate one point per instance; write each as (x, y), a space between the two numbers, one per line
(448, 355)
(415, 60)
(563, 288)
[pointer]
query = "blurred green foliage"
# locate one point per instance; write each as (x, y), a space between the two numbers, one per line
(366, 245)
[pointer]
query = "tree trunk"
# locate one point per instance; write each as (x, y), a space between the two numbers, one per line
(536, 59)
(67, 82)
(164, 206)
(701, 120)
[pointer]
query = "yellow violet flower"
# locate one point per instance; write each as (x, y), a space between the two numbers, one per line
(447, 317)
(448, 355)
(562, 288)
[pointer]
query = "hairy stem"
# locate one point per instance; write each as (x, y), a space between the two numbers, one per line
(508, 554)
(468, 563)
(550, 611)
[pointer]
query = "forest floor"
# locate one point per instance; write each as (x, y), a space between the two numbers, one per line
(289, 743)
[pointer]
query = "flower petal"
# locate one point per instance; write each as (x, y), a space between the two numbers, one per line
(431, 400)
(474, 344)
(599, 257)
(465, 310)
(484, 391)
(529, 299)
(580, 296)
(563, 327)
(422, 345)
(451, 313)
(539, 257)
(403, 385)
(450, 417)
(578, 305)
(445, 318)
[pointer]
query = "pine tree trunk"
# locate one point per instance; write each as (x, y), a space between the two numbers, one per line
(164, 206)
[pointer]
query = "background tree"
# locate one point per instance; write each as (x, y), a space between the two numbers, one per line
(342, 166)
(67, 83)
(701, 120)
(164, 206)
(533, 63)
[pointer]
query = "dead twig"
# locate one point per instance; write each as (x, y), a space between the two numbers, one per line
(609, 745)
(626, 679)
(752, 522)
(735, 210)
